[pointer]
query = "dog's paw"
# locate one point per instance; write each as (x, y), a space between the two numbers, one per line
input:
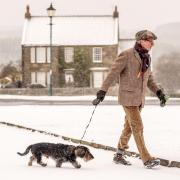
(78, 166)
(58, 165)
(43, 164)
(29, 164)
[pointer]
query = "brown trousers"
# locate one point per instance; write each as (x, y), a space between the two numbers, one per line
(133, 125)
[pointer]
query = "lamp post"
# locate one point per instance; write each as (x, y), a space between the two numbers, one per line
(51, 12)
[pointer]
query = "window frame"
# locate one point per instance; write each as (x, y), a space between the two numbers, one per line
(34, 52)
(35, 80)
(69, 72)
(68, 53)
(95, 55)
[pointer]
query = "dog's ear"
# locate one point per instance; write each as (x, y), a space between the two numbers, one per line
(80, 151)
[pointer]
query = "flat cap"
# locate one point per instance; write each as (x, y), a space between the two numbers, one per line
(144, 35)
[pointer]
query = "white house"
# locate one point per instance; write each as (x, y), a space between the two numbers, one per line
(97, 35)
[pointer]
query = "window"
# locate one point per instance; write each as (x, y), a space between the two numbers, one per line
(48, 54)
(40, 55)
(40, 78)
(97, 76)
(33, 78)
(33, 55)
(97, 55)
(69, 54)
(69, 78)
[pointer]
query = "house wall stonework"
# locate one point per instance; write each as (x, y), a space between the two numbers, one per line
(26, 65)
(109, 53)
(55, 67)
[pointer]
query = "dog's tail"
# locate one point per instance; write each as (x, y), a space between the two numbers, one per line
(26, 151)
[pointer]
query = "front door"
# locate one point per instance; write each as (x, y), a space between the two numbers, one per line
(97, 79)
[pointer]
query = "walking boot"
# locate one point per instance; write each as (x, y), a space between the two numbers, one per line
(152, 163)
(120, 158)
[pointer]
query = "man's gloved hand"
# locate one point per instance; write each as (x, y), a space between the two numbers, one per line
(100, 97)
(162, 97)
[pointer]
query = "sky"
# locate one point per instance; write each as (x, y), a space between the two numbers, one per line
(134, 14)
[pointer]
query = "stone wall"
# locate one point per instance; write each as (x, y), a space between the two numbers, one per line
(56, 91)
(26, 65)
(113, 91)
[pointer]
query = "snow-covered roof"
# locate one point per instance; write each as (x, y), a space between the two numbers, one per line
(71, 30)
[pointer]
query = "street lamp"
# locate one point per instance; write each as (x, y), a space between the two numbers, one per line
(51, 12)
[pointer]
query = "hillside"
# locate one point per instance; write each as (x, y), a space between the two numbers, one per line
(168, 40)
(10, 47)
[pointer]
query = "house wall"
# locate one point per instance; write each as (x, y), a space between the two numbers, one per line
(109, 54)
(28, 67)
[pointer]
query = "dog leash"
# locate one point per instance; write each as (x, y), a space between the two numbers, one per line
(96, 100)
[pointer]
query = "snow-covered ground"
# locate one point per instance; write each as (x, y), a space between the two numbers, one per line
(67, 98)
(54, 98)
(161, 129)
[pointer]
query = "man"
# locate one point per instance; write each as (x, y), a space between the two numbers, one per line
(132, 67)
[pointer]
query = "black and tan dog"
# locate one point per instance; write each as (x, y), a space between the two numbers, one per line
(59, 152)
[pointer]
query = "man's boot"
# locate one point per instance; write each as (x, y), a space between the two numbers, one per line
(119, 158)
(152, 163)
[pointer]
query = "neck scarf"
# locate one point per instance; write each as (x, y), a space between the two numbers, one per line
(145, 57)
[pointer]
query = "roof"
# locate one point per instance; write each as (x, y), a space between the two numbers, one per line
(71, 30)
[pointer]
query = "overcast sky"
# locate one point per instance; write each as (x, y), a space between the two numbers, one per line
(134, 14)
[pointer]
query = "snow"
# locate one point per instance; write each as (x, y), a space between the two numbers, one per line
(71, 98)
(87, 30)
(54, 98)
(161, 130)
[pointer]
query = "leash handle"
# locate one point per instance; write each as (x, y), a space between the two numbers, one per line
(162, 104)
(88, 124)
(96, 101)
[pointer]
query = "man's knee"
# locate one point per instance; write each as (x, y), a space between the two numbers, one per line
(137, 128)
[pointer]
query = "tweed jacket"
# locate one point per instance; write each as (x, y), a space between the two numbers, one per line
(132, 87)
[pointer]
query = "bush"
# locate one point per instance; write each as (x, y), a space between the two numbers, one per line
(81, 72)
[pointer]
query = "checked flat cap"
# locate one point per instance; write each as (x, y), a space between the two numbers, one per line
(144, 35)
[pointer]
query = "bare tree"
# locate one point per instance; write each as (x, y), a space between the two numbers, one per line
(167, 71)
(11, 71)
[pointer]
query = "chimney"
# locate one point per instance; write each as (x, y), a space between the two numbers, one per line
(115, 13)
(27, 14)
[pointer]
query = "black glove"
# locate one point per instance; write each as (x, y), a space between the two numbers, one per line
(162, 97)
(100, 97)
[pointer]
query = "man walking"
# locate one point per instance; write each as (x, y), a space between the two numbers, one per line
(133, 69)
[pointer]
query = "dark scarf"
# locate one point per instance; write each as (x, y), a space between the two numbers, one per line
(145, 57)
